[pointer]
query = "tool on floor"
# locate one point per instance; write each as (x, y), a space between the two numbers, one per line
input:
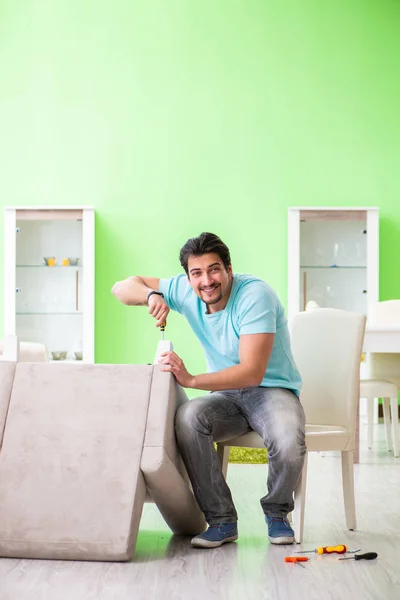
(297, 560)
(341, 549)
(366, 556)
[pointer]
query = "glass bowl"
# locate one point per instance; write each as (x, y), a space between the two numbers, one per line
(59, 355)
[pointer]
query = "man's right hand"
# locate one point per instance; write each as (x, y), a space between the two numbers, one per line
(158, 308)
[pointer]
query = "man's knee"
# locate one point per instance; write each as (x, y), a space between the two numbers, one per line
(292, 448)
(289, 441)
(188, 416)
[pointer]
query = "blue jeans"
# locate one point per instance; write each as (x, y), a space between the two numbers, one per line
(274, 413)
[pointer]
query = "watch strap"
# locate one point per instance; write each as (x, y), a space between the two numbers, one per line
(154, 292)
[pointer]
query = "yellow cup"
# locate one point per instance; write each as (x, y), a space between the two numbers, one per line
(51, 262)
(65, 262)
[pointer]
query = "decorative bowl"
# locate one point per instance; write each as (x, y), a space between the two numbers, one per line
(78, 355)
(60, 355)
(73, 261)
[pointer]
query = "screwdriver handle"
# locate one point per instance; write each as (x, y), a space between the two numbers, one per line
(341, 549)
(295, 559)
(366, 556)
(163, 326)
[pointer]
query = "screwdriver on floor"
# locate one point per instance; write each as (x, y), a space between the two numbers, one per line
(366, 556)
(341, 549)
(297, 560)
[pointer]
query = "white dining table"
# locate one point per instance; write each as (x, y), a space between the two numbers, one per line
(382, 339)
(377, 339)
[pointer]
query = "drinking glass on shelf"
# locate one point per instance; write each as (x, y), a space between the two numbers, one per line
(335, 254)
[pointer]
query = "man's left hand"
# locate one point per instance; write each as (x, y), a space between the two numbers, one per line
(172, 363)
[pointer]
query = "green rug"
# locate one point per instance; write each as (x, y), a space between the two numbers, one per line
(256, 456)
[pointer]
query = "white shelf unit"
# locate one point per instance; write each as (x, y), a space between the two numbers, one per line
(333, 258)
(53, 305)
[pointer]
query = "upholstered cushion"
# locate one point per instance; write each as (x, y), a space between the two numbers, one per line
(70, 481)
(162, 466)
(318, 438)
(7, 371)
(378, 388)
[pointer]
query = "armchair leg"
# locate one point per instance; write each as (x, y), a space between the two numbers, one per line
(223, 454)
(348, 488)
(299, 504)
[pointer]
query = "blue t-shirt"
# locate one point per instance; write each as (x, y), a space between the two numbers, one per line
(252, 307)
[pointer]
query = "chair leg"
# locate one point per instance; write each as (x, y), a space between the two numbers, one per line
(394, 404)
(223, 454)
(299, 504)
(386, 420)
(348, 488)
(370, 417)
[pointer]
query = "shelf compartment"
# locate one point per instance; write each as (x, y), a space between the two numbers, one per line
(53, 309)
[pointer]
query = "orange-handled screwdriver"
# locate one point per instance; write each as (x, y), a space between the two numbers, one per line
(327, 550)
(297, 560)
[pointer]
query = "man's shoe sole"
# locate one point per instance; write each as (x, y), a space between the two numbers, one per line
(200, 543)
(281, 540)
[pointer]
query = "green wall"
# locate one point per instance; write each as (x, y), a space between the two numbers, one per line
(174, 117)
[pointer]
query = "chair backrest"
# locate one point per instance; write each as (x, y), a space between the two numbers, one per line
(311, 305)
(327, 345)
(384, 365)
(9, 348)
(26, 352)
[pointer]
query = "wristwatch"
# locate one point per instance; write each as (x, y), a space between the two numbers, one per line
(153, 292)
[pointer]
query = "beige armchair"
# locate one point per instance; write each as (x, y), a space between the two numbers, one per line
(83, 447)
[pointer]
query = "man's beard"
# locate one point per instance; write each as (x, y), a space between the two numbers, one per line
(214, 300)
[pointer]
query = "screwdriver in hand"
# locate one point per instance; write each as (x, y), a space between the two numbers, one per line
(297, 560)
(327, 550)
(366, 556)
(162, 329)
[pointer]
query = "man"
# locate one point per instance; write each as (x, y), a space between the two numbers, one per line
(251, 375)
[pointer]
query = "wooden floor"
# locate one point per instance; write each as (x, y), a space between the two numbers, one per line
(166, 567)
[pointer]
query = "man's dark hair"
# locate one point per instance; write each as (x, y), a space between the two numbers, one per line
(205, 243)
